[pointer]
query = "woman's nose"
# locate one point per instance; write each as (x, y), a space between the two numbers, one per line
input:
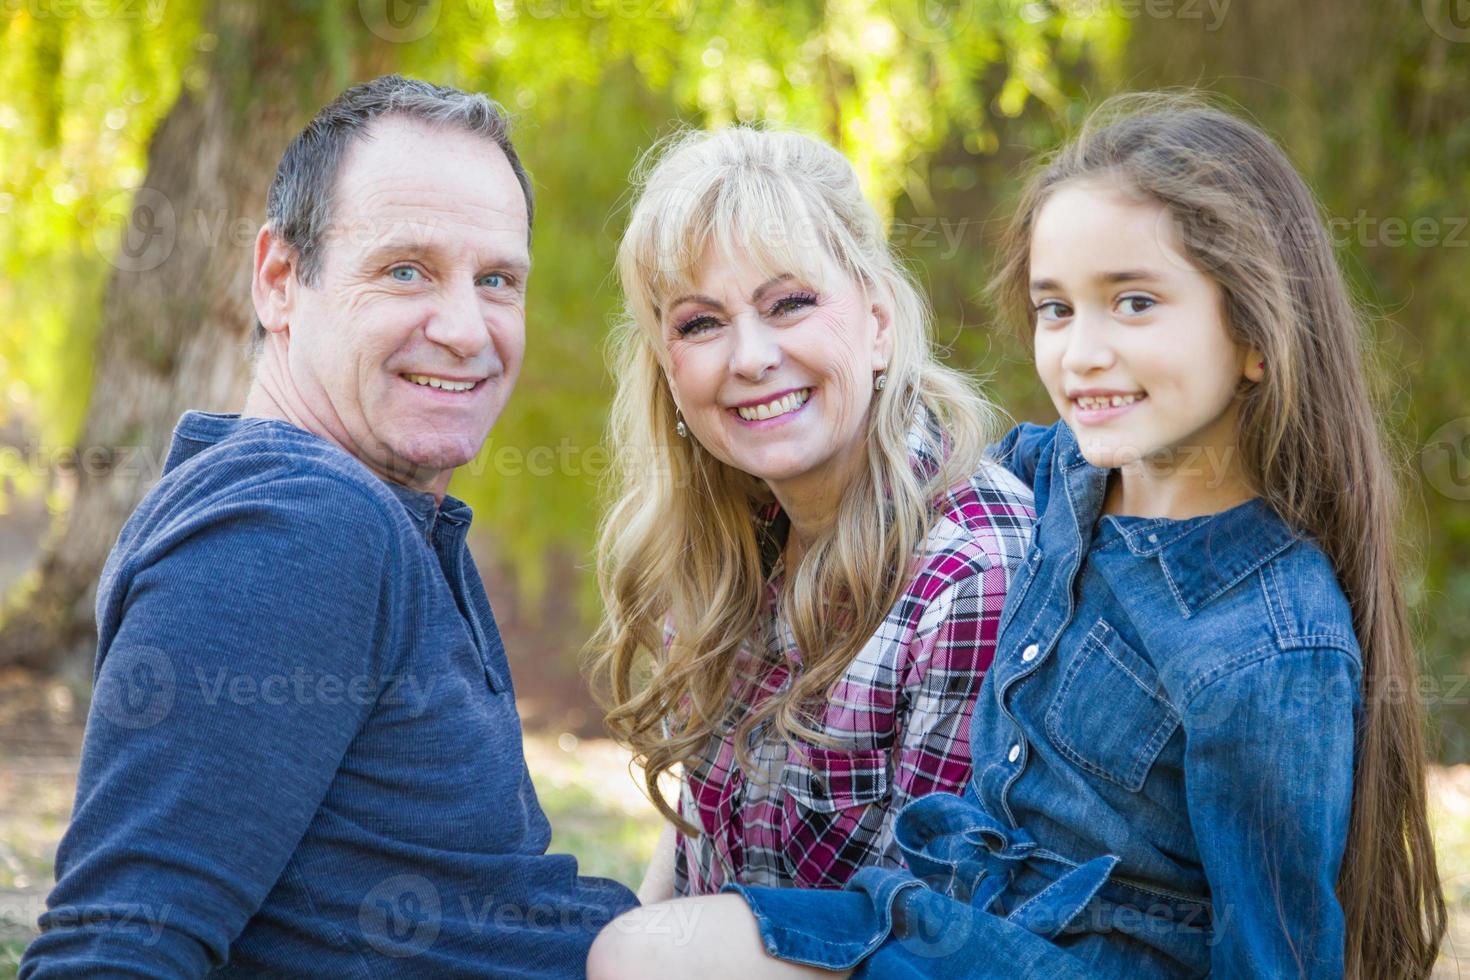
(756, 349)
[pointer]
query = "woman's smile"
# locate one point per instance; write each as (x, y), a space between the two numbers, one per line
(771, 412)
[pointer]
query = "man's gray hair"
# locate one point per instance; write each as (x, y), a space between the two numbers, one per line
(299, 207)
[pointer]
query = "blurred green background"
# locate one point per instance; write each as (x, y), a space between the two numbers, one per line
(138, 137)
(939, 105)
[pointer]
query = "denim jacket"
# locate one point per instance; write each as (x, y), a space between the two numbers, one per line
(1163, 759)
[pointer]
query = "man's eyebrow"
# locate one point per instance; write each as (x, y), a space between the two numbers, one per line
(413, 248)
(395, 248)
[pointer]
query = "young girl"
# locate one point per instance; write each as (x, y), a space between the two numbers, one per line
(1197, 750)
(810, 550)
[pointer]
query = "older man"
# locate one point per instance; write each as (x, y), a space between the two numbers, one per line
(303, 756)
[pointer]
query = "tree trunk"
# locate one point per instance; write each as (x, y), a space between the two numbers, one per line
(177, 312)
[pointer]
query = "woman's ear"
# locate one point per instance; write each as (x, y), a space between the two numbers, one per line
(883, 339)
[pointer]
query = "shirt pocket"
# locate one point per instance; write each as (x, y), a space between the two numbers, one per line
(833, 804)
(1110, 716)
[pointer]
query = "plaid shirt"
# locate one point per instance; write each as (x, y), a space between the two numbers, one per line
(901, 714)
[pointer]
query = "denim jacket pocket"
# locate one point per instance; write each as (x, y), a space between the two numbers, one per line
(1110, 716)
(826, 794)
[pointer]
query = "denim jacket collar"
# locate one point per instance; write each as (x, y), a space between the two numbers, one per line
(1202, 557)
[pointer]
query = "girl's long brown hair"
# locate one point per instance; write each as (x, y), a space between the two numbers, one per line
(1311, 445)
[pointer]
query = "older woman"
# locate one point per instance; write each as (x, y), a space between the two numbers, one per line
(808, 555)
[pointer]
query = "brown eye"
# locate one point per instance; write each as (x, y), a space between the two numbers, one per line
(1052, 309)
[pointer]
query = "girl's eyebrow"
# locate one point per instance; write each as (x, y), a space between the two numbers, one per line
(1127, 275)
(1102, 278)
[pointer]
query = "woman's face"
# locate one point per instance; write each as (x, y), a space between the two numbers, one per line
(774, 373)
(1131, 339)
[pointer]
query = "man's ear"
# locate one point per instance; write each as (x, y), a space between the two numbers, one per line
(274, 287)
(883, 340)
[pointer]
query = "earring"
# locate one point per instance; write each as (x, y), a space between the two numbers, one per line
(680, 427)
(881, 381)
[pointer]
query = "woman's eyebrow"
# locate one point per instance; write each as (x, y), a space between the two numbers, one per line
(699, 298)
(755, 295)
(770, 284)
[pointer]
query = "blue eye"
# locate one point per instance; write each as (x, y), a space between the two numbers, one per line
(403, 273)
(494, 280)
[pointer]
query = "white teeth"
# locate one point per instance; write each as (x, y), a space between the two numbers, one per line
(433, 382)
(780, 406)
(1105, 401)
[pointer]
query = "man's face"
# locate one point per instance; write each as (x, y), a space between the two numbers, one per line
(409, 344)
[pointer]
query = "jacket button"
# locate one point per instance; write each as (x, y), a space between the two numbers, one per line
(1015, 752)
(1029, 654)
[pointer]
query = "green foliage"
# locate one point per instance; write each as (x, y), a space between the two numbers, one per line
(80, 96)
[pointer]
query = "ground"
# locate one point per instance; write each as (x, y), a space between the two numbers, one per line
(595, 807)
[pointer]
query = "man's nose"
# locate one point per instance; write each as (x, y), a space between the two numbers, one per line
(459, 323)
(756, 348)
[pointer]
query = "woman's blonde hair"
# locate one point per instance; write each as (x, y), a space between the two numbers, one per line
(683, 542)
(1311, 446)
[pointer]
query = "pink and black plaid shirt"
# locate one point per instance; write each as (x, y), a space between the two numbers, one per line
(901, 714)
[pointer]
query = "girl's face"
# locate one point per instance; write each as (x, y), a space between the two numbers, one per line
(774, 374)
(1131, 340)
